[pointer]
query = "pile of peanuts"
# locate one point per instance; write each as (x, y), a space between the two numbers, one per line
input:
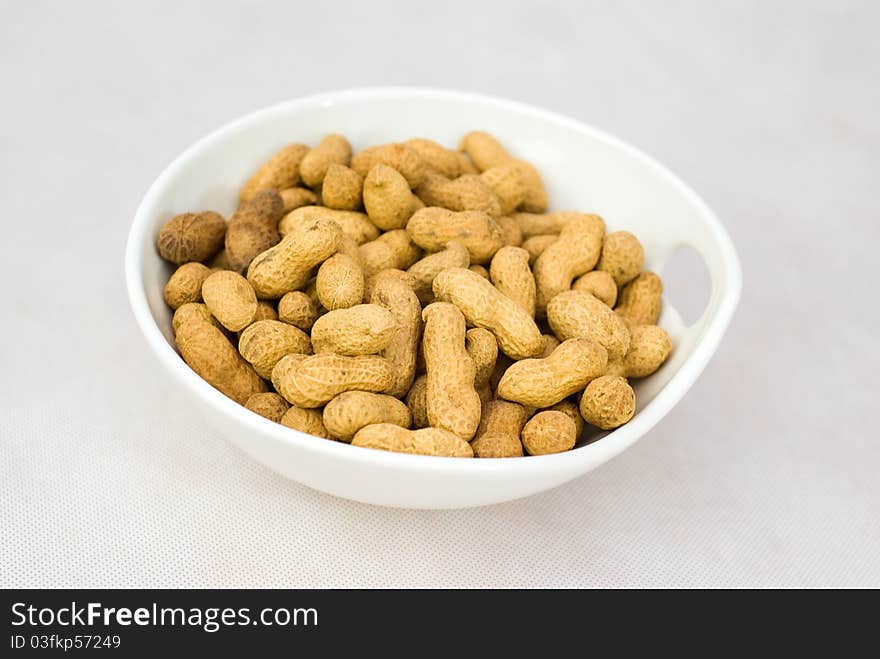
(415, 298)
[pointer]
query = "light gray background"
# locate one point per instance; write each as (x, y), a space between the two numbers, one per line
(765, 475)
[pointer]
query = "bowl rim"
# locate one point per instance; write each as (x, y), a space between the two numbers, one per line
(579, 459)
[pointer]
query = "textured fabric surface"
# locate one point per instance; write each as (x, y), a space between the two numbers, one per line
(764, 475)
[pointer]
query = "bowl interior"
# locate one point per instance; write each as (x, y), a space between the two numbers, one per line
(582, 168)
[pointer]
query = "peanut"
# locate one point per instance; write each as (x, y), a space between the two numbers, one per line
(314, 381)
(401, 157)
(355, 225)
(417, 402)
(640, 301)
(432, 228)
(342, 188)
(269, 405)
(350, 411)
(498, 434)
(427, 441)
(622, 257)
(649, 347)
(397, 296)
(333, 149)
(608, 402)
(391, 250)
(468, 192)
(455, 255)
(538, 224)
(482, 347)
(364, 329)
(230, 299)
(190, 311)
(191, 237)
(340, 282)
(395, 273)
(436, 157)
(288, 265)
(452, 401)
(253, 228)
(293, 198)
(550, 344)
(510, 232)
(581, 315)
(480, 270)
(209, 353)
(572, 412)
(297, 309)
(545, 382)
(510, 274)
(549, 432)
(600, 284)
(507, 184)
(185, 285)
(486, 152)
(484, 306)
(265, 342)
(536, 245)
(576, 252)
(387, 198)
(305, 420)
(280, 172)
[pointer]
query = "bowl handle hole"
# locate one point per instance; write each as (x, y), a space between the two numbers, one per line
(686, 283)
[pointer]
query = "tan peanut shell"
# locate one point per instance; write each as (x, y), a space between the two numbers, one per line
(230, 299)
(364, 329)
(253, 228)
(455, 255)
(581, 315)
(536, 245)
(269, 405)
(432, 228)
(550, 344)
(340, 282)
(505, 181)
(350, 411)
(510, 232)
(545, 382)
(192, 311)
(484, 306)
(265, 342)
(387, 198)
(599, 283)
(649, 347)
(417, 402)
(499, 431)
(288, 265)
(453, 403)
(280, 172)
(308, 421)
(209, 353)
(468, 192)
(480, 270)
(486, 152)
(640, 301)
(572, 412)
(549, 432)
(576, 252)
(297, 309)
(608, 402)
(482, 347)
(538, 224)
(191, 237)
(401, 157)
(437, 157)
(511, 275)
(293, 198)
(622, 257)
(185, 284)
(314, 381)
(342, 188)
(333, 149)
(354, 224)
(392, 250)
(220, 261)
(392, 293)
(427, 441)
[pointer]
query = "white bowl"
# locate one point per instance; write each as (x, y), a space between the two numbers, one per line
(583, 169)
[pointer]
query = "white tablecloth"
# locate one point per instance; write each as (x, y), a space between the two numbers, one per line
(765, 475)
